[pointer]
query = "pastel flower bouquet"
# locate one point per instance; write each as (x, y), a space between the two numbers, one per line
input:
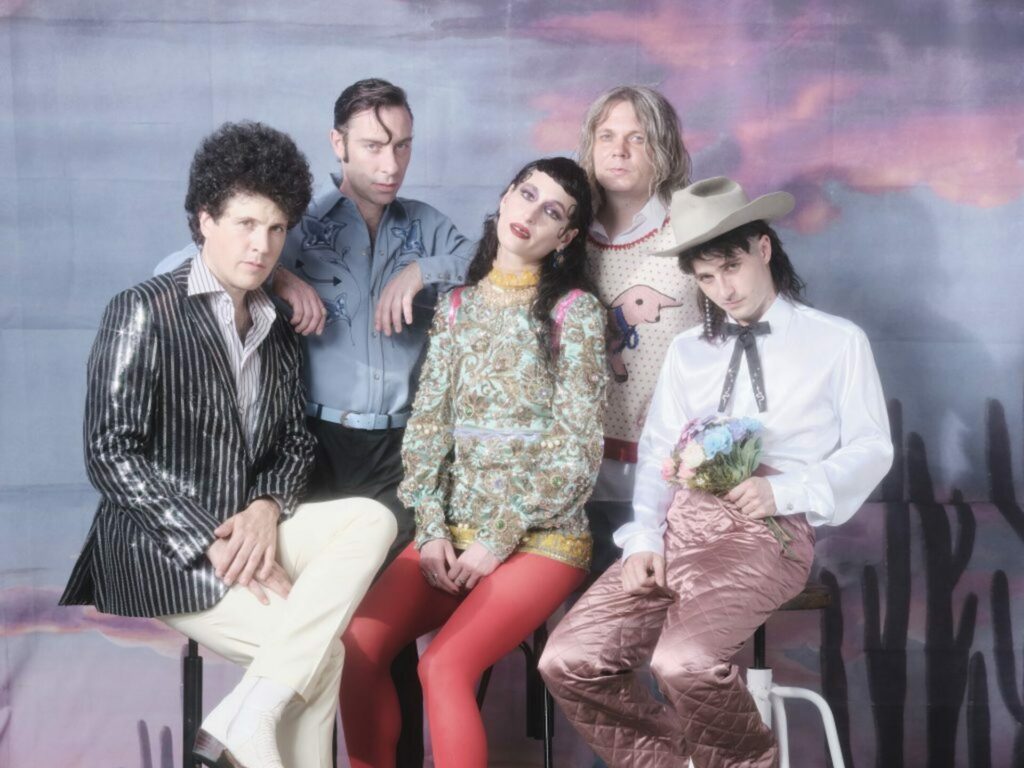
(715, 454)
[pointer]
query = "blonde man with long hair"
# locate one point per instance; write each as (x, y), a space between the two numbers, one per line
(632, 149)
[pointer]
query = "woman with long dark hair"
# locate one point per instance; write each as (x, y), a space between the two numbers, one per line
(500, 454)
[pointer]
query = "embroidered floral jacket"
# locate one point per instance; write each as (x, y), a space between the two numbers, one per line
(503, 446)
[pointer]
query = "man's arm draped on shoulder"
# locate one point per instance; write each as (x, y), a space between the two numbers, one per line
(445, 266)
(307, 311)
(176, 259)
(449, 256)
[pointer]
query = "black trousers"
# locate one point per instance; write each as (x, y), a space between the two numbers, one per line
(357, 462)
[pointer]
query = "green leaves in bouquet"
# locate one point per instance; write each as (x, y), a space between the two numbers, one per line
(747, 457)
(727, 470)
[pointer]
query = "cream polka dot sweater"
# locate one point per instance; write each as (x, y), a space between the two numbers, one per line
(649, 301)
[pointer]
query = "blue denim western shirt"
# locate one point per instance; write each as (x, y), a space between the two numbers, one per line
(352, 367)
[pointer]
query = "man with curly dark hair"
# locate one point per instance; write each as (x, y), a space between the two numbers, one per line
(195, 437)
(249, 158)
(361, 274)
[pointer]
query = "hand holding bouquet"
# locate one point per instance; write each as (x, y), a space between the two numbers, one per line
(715, 454)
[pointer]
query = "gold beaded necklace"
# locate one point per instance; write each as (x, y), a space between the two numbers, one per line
(502, 279)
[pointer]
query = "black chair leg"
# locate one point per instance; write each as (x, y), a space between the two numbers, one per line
(191, 702)
(534, 695)
(192, 706)
(549, 729)
(481, 689)
(540, 706)
(760, 660)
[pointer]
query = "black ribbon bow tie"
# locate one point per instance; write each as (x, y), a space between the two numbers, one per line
(745, 343)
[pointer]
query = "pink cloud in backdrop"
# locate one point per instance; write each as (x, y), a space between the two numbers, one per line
(971, 159)
(858, 121)
(560, 127)
(676, 36)
(10, 7)
(28, 610)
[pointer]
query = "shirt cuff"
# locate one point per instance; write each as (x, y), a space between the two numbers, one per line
(641, 542)
(286, 504)
(790, 495)
(436, 270)
(428, 535)
(186, 548)
(430, 522)
(279, 500)
(500, 541)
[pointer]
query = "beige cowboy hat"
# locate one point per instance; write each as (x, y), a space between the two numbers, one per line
(709, 208)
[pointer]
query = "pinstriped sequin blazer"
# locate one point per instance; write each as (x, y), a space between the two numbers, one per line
(166, 449)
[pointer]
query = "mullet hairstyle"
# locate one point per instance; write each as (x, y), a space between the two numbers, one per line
(555, 281)
(733, 243)
(664, 139)
(372, 93)
(247, 158)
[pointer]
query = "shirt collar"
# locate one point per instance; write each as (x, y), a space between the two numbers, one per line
(325, 200)
(778, 315)
(330, 196)
(201, 281)
(261, 306)
(647, 219)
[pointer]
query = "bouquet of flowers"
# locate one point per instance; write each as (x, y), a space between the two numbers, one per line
(715, 454)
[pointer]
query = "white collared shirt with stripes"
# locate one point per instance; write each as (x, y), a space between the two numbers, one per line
(244, 357)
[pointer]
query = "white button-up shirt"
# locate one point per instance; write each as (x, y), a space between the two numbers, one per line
(826, 429)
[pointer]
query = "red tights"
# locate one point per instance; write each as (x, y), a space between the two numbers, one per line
(478, 629)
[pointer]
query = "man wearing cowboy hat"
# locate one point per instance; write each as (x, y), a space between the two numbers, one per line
(700, 573)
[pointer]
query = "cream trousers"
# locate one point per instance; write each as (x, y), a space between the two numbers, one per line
(331, 551)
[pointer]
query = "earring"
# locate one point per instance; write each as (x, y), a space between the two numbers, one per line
(707, 317)
(559, 258)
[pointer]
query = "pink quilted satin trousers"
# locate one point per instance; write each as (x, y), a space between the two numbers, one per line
(730, 575)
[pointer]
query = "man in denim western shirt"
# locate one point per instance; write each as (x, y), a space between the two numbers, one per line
(361, 272)
(376, 262)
